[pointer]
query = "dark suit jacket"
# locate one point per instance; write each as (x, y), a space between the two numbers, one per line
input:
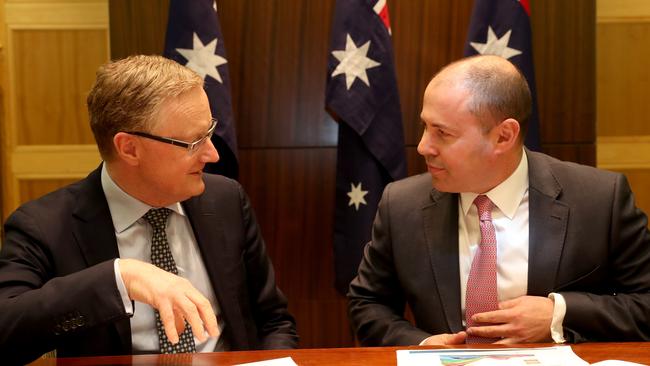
(57, 284)
(587, 242)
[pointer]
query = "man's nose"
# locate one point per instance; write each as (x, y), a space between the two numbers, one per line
(426, 146)
(209, 153)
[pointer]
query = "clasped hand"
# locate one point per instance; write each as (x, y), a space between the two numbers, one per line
(174, 297)
(520, 320)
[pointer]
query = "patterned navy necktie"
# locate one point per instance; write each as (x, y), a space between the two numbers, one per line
(161, 256)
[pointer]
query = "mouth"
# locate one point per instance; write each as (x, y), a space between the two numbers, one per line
(434, 169)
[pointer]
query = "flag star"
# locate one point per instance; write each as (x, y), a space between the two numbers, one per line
(354, 62)
(202, 58)
(357, 196)
(496, 46)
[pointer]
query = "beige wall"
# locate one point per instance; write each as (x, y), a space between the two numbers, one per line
(623, 85)
(50, 51)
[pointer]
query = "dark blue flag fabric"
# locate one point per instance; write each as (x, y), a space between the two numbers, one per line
(194, 39)
(362, 97)
(502, 28)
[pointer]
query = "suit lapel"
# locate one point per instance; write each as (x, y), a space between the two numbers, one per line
(208, 230)
(93, 230)
(548, 219)
(441, 235)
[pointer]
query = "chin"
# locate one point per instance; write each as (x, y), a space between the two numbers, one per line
(441, 187)
(198, 189)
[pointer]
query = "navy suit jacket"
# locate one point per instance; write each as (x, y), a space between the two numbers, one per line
(587, 241)
(57, 283)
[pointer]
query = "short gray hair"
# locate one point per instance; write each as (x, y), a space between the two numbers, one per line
(128, 93)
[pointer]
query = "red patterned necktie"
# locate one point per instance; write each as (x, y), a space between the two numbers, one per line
(481, 292)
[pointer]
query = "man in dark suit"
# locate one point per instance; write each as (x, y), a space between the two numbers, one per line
(510, 245)
(146, 254)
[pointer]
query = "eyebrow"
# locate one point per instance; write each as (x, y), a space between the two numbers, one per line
(433, 124)
(201, 133)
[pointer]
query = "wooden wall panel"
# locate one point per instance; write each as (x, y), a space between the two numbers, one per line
(31, 189)
(51, 91)
(623, 78)
(50, 51)
(141, 27)
(282, 73)
(622, 35)
(564, 56)
(427, 35)
(294, 201)
(277, 55)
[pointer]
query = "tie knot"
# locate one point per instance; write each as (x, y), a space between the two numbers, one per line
(157, 217)
(484, 206)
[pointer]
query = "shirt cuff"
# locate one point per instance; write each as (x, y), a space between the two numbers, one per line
(559, 311)
(128, 305)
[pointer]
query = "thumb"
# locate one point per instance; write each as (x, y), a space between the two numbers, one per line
(456, 338)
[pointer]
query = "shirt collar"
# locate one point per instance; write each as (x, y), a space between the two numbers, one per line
(126, 209)
(507, 195)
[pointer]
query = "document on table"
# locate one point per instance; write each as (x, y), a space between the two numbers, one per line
(546, 356)
(284, 361)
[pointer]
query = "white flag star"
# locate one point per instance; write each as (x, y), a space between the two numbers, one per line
(357, 196)
(496, 46)
(202, 58)
(354, 62)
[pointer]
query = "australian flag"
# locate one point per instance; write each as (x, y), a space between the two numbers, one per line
(502, 28)
(194, 39)
(362, 96)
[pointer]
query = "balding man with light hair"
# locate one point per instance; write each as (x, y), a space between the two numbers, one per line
(147, 254)
(497, 243)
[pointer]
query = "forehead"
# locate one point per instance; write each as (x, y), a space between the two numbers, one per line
(190, 111)
(443, 97)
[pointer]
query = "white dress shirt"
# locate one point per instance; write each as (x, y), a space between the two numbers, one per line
(134, 241)
(510, 220)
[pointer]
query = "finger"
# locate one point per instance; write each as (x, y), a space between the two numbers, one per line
(506, 341)
(205, 312)
(493, 317)
(168, 320)
(191, 315)
(437, 340)
(457, 338)
(179, 321)
(488, 331)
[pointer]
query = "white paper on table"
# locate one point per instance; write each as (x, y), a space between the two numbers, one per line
(284, 361)
(546, 356)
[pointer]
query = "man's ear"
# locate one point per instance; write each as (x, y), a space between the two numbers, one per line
(127, 148)
(507, 135)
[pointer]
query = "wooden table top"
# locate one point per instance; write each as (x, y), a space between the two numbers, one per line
(591, 352)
